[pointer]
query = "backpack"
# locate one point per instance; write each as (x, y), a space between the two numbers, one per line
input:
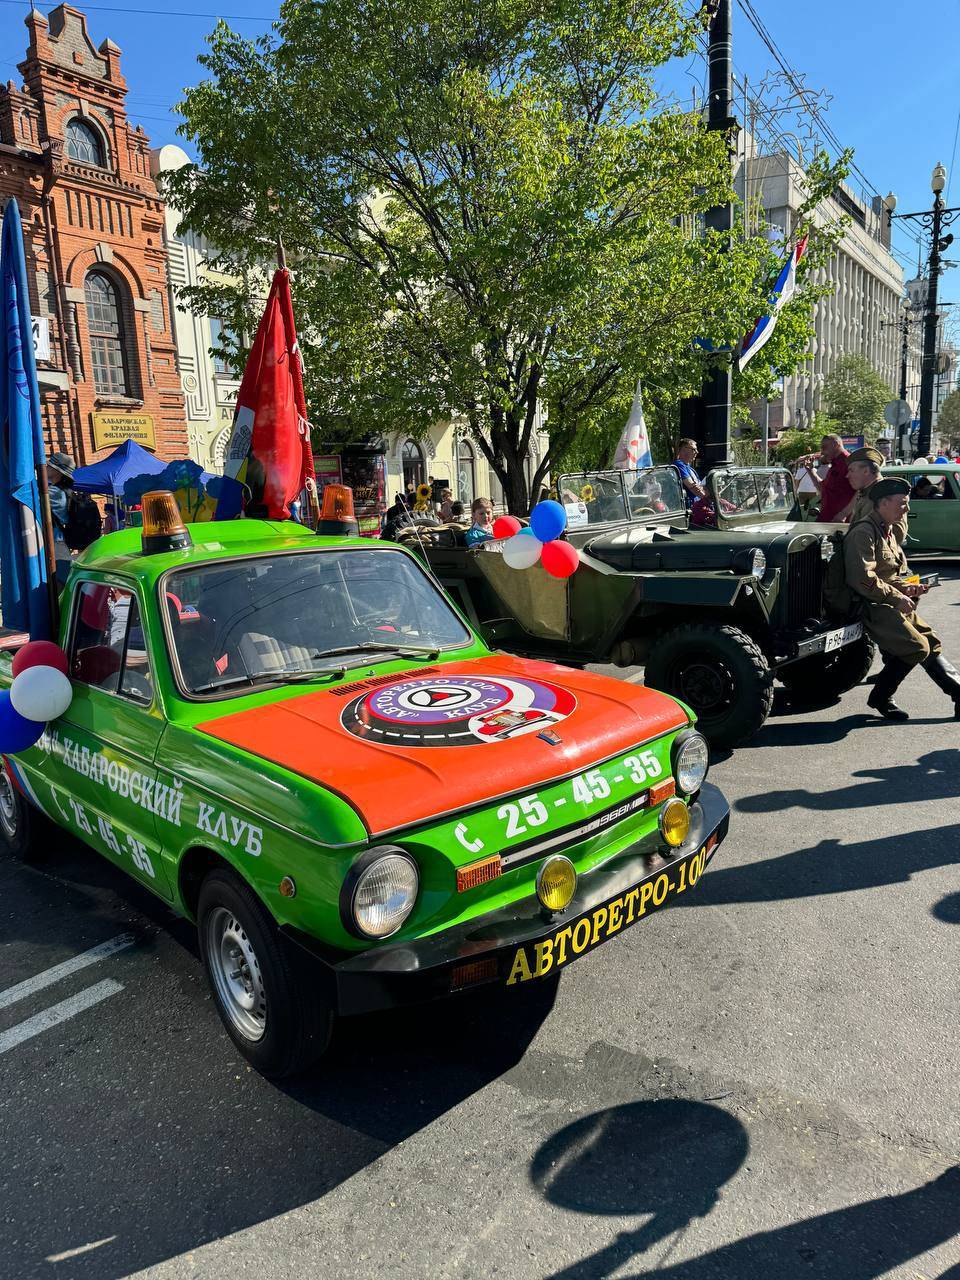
(84, 524)
(840, 599)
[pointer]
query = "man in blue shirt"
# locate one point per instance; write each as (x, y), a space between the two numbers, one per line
(686, 456)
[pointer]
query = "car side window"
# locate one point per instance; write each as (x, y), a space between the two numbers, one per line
(108, 649)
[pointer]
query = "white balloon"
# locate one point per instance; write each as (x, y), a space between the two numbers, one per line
(41, 693)
(522, 551)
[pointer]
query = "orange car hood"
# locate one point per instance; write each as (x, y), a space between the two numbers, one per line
(426, 742)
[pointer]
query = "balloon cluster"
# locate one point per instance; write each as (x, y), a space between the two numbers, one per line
(541, 542)
(40, 692)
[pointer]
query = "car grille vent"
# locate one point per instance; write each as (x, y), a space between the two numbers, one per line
(359, 685)
(805, 585)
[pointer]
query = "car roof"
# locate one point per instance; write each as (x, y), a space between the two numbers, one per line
(922, 468)
(213, 540)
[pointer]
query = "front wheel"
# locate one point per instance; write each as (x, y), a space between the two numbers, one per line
(820, 680)
(720, 673)
(269, 1008)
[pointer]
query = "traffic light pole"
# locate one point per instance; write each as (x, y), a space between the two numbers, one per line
(716, 394)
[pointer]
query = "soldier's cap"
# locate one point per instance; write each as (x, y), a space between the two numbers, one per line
(891, 488)
(867, 454)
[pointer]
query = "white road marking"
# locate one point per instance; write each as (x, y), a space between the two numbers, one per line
(57, 1013)
(83, 1248)
(49, 976)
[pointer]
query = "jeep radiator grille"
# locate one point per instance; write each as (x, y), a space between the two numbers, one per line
(804, 585)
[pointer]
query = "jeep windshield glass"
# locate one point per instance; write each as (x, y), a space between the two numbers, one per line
(592, 497)
(239, 623)
(766, 492)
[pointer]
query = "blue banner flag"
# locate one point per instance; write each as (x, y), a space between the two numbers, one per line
(24, 601)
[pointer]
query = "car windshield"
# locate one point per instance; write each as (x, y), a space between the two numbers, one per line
(271, 619)
(653, 492)
(753, 493)
(592, 497)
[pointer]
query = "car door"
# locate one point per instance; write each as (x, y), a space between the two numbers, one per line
(935, 521)
(105, 781)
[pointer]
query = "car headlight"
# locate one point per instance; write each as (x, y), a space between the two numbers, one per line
(758, 563)
(379, 892)
(827, 549)
(674, 822)
(691, 760)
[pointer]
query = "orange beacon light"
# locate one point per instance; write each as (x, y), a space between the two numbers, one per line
(336, 516)
(163, 527)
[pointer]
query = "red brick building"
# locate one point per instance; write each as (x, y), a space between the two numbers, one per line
(93, 225)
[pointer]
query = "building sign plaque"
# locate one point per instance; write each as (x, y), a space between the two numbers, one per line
(111, 429)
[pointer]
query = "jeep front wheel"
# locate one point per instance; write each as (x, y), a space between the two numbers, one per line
(820, 680)
(720, 673)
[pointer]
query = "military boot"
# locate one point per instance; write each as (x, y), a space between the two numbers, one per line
(946, 677)
(892, 674)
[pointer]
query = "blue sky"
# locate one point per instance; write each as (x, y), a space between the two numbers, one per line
(893, 71)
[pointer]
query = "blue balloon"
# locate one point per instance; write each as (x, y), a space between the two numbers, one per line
(17, 733)
(548, 520)
(941, 459)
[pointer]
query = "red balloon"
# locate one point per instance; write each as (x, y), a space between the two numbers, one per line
(559, 559)
(40, 653)
(506, 526)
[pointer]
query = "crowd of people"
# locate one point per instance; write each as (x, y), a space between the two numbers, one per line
(409, 511)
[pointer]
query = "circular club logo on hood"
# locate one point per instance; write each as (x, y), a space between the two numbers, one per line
(455, 711)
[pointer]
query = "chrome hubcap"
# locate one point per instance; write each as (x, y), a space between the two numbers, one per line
(8, 806)
(236, 973)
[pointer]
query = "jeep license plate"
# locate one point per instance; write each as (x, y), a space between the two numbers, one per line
(842, 636)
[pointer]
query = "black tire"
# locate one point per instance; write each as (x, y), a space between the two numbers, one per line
(296, 1022)
(720, 673)
(22, 827)
(820, 680)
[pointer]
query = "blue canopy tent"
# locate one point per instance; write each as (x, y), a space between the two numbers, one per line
(109, 475)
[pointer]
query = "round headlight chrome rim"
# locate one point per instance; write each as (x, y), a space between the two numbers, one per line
(379, 893)
(758, 564)
(691, 761)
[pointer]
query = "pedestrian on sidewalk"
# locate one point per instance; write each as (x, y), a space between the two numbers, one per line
(877, 571)
(836, 493)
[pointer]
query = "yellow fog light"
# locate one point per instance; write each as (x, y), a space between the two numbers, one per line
(674, 822)
(556, 882)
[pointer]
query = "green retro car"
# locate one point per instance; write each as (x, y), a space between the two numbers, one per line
(298, 743)
(934, 520)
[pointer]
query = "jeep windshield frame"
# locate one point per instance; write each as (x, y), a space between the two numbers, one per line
(751, 495)
(594, 498)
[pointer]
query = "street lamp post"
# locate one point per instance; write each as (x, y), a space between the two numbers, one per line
(936, 219)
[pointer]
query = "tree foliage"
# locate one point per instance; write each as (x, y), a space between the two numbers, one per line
(948, 420)
(855, 396)
(489, 217)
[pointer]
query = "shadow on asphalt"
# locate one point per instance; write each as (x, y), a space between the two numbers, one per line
(156, 1137)
(932, 777)
(667, 1160)
(947, 909)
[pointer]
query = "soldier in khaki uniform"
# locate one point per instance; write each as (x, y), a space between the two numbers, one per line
(876, 569)
(863, 472)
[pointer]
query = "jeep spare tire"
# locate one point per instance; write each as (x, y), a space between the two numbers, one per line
(720, 673)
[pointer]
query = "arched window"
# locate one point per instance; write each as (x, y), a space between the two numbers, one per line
(414, 468)
(84, 143)
(105, 325)
(466, 473)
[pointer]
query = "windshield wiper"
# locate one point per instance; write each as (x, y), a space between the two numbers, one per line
(374, 646)
(284, 675)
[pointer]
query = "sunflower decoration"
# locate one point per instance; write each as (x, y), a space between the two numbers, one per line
(424, 494)
(586, 493)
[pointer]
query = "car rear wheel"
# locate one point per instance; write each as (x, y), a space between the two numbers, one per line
(820, 680)
(720, 673)
(262, 990)
(20, 823)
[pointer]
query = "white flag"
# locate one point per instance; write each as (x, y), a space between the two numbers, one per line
(633, 451)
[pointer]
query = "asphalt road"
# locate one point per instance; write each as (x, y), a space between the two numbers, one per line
(760, 1084)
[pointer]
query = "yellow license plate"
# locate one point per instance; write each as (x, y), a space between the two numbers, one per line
(574, 939)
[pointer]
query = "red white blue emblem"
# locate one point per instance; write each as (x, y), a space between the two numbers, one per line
(456, 711)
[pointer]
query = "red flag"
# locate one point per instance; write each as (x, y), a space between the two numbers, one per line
(269, 449)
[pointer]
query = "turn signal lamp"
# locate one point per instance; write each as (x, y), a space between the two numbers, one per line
(163, 527)
(336, 516)
(674, 823)
(556, 883)
(479, 873)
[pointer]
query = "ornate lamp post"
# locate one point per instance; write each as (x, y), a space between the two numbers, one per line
(935, 220)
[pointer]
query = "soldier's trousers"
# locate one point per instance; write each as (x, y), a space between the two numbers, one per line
(910, 639)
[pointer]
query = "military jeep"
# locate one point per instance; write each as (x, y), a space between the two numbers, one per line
(714, 614)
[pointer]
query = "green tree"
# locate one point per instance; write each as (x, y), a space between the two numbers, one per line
(948, 420)
(855, 396)
(489, 216)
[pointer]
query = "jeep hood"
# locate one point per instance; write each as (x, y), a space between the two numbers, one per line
(419, 744)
